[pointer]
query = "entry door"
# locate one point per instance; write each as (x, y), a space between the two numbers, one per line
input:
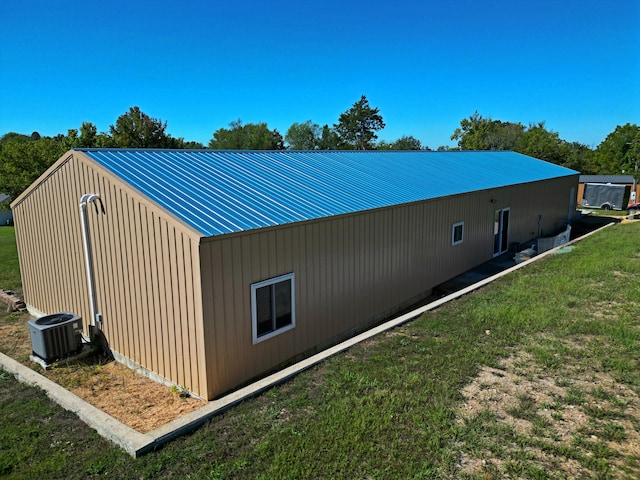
(501, 231)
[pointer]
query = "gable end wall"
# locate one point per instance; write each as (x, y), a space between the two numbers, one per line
(146, 268)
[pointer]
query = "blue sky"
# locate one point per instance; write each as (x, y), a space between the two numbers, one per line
(200, 64)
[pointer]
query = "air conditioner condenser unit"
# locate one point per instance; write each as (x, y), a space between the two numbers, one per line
(56, 336)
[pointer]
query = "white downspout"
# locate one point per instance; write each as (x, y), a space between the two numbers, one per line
(96, 318)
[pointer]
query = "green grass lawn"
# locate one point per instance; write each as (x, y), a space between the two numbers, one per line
(9, 267)
(565, 331)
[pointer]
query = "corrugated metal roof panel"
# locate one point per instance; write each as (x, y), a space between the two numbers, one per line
(606, 179)
(218, 192)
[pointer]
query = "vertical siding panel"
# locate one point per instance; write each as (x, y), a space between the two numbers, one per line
(54, 234)
(111, 325)
(207, 290)
(170, 344)
(270, 254)
(230, 297)
(120, 332)
(378, 259)
(234, 279)
(185, 313)
(316, 237)
(193, 334)
(100, 245)
(57, 214)
(215, 335)
(58, 250)
(104, 288)
(295, 257)
(176, 341)
(117, 327)
(299, 266)
(43, 261)
(177, 300)
(333, 270)
(163, 345)
(139, 318)
(351, 257)
(136, 313)
(189, 331)
(339, 271)
(311, 290)
(48, 260)
(154, 280)
(149, 295)
(80, 277)
(131, 348)
(361, 253)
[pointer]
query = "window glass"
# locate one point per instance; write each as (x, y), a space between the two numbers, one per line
(272, 307)
(282, 304)
(457, 233)
(263, 310)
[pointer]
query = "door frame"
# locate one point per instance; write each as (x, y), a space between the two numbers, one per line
(501, 224)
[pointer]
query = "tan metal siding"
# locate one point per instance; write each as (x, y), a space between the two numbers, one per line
(144, 267)
(49, 249)
(353, 270)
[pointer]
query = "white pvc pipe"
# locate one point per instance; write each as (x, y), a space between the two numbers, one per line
(86, 199)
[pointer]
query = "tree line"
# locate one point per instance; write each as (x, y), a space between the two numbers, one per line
(25, 157)
(619, 152)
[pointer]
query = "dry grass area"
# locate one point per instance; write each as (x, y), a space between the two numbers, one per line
(573, 412)
(124, 394)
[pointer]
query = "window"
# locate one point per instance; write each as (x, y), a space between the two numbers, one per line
(457, 233)
(272, 307)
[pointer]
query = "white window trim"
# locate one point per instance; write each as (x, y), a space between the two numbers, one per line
(254, 310)
(453, 233)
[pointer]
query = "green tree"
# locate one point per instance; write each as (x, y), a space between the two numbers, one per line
(21, 163)
(618, 151)
(357, 127)
(16, 138)
(479, 133)
(303, 136)
(579, 157)
(136, 129)
(540, 143)
(88, 135)
(252, 136)
(329, 139)
(632, 157)
(191, 145)
(407, 142)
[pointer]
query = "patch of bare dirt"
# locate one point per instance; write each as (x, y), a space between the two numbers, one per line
(570, 404)
(127, 396)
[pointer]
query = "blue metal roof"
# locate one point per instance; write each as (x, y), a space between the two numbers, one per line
(218, 192)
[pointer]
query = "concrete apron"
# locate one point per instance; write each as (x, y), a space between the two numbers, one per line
(137, 444)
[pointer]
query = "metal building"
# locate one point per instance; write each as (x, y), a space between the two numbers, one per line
(215, 267)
